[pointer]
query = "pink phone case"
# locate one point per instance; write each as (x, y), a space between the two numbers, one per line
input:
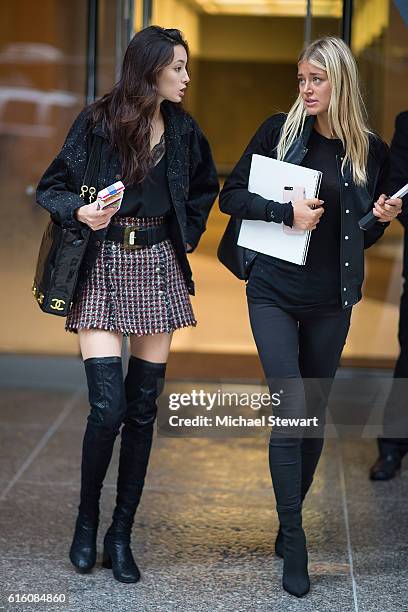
(292, 194)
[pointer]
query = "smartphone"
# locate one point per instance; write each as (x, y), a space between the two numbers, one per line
(292, 194)
(111, 196)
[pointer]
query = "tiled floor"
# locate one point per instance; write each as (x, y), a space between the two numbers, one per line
(204, 533)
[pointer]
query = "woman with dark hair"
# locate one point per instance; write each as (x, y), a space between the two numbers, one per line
(135, 279)
(300, 315)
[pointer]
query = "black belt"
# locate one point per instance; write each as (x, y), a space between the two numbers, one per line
(134, 237)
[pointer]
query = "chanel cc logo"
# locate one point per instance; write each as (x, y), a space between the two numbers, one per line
(57, 304)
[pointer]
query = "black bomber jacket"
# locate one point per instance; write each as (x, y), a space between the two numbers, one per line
(355, 201)
(191, 174)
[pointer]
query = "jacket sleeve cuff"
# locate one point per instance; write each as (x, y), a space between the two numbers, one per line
(279, 212)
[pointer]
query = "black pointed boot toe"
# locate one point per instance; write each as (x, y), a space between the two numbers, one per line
(295, 574)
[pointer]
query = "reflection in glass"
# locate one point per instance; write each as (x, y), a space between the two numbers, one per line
(42, 84)
(380, 44)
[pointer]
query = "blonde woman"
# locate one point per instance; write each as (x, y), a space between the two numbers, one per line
(300, 315)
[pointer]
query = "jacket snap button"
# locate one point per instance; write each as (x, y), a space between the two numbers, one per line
(347, 211)
(346, 184)
(344, 288)
(345, 237)
(345, 303)
(346, 264)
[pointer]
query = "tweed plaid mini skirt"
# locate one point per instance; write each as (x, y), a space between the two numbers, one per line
(134, 291)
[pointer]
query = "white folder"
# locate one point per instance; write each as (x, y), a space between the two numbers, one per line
(269, 177)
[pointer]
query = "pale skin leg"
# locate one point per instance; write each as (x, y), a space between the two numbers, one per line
(154, 348)
(101, 343)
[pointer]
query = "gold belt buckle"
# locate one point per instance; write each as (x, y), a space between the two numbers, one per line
(129, 238)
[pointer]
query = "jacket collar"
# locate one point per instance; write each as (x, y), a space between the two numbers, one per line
(175, 118)
(307, 129)
(298, 148)
(99, 131)
(175, 124)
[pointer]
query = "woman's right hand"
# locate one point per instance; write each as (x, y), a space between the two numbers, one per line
(94, 218)
(304, 217)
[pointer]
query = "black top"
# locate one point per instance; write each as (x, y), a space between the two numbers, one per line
(151, 198)
(289, 285)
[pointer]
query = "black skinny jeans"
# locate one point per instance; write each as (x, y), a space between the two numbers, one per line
(305, 344)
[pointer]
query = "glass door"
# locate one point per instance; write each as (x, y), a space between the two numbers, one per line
(380, 44)
(42, 88)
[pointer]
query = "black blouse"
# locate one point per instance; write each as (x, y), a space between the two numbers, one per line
(289, 285)
(151, 198)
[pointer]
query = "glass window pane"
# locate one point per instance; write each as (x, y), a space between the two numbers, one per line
(380, 44)
(42, 84)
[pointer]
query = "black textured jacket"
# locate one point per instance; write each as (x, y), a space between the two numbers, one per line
(355, 201)
(191, 175)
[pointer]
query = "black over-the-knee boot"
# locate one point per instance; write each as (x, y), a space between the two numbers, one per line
(108, 407)
(144, 383)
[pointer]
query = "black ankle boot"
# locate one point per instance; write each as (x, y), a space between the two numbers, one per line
(107, 400)
(143, 384)
(295, 575)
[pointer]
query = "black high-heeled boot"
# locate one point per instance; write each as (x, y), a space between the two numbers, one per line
(311, 450)
(285, 466)
(295, 575)
(143, 384)
(108, 407)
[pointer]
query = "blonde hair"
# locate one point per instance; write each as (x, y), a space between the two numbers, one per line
(346, 113)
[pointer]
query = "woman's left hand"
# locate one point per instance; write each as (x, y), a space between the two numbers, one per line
(386, 210)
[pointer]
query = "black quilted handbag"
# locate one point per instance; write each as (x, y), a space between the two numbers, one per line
(62, 251)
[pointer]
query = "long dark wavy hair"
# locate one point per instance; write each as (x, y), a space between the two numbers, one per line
(127, 110)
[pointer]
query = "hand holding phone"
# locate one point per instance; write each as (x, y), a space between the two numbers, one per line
(111, 196)
(370, 218)
(307, 213)
(293, 194)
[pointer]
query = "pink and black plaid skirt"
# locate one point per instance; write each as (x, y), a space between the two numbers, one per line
(141, 291)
